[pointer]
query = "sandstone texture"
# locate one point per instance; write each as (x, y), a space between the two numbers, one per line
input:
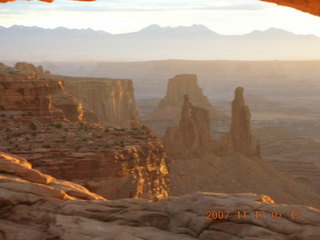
(36, 206)
(309, 6)
(24, 67)
(45, 126)
(113, 162)
(71, 107)
(17, 175)
(21, 89)
(111, 100)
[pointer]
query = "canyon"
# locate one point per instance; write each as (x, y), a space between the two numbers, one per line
(79, 166)
(114, 162)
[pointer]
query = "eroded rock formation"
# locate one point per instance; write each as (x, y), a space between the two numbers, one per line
(179, 86)
(24, 67)
(17, 175)
(22, 90)
(113, 162)
(29, 96)
(240, 136)
(70, 106)
(111, 100)
(192, 135)
(37, 206)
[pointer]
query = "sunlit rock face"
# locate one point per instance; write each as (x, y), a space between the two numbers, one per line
(112, 100)
(35, 205)
(27, 88)
(309, 6)
(24, 67)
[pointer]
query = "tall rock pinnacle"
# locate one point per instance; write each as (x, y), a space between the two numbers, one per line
(240, 133)
(192, 136)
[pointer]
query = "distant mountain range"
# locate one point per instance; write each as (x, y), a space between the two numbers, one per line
(153, 42)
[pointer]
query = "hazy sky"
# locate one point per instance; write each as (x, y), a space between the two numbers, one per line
(118, 16)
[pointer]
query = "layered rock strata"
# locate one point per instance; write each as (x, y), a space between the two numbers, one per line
(111, 100)
(41, 122)
(113, 162)
(37, 206)
(24, 67)
(22, 90)
(17, 175)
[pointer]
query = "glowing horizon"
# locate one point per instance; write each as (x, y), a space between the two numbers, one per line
(231, 17)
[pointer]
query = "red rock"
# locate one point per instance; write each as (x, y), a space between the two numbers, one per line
(309, 6)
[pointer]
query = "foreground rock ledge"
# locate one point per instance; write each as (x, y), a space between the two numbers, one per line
(35, 206)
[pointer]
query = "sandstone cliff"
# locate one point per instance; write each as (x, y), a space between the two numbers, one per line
(22, 90)
(37, 206)
(111, 100)
(24, 67)
(70, 106)
(29, 96)
(192, 135)
(113, 162)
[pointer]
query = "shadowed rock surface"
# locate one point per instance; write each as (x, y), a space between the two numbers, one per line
(36, 206)
(241, 137)
(192, 135)
(111, 100)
